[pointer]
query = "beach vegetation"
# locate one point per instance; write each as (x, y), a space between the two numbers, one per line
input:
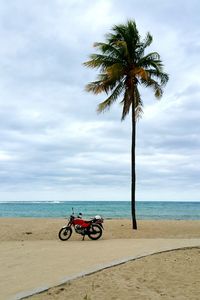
(124, 68)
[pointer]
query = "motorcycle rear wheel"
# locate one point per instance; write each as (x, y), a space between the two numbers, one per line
(95, 232)
(65, 233)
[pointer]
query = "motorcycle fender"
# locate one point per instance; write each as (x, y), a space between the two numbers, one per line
(65, 226)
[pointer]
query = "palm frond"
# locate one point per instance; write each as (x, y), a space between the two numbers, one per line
(123, 46)
(108, 49)
(140, 73)
(96, 87)
(104, 84)
(126, 102)
(115, 71)
(150, 56)
(100, 61)
(158, 91)
(133, 40)
(129, 35)
(105, 105)
(150, 60)
(147, 41)
(138, 104)
(163, 77)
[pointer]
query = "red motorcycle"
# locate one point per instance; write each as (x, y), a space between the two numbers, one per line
(92, 228)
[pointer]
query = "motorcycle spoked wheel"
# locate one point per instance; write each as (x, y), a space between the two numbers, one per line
(95, 232)
(65, 233)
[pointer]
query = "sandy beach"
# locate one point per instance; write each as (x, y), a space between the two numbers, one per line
(31, 246)
(171, 275)
(33, 229)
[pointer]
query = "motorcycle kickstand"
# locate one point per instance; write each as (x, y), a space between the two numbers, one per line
(83, 238)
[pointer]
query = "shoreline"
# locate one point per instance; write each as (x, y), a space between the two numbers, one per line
(108, 218)
(145, 210)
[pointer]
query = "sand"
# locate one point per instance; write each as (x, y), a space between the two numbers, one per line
(31, 229)
(171, 275)
(31, 254)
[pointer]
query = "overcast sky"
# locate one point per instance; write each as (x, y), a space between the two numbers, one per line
(53, 145)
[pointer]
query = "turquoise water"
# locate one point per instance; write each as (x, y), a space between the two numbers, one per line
(108, 209)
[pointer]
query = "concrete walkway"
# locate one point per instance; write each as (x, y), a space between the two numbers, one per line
(32, 266)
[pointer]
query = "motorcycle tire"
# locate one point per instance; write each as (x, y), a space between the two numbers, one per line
(95, 232)
(65, 233)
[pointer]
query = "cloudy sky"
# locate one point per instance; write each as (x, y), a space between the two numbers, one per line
(53, 145)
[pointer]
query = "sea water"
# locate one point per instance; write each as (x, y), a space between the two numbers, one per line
(145, 210)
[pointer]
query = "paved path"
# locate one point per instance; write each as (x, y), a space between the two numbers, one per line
(32, 266)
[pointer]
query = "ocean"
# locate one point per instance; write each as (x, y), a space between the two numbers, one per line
(145, 210)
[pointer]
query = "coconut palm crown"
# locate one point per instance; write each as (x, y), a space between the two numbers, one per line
(124, 67)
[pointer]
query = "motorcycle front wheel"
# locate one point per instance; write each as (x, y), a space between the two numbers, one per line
(95, 232)
(65, 233)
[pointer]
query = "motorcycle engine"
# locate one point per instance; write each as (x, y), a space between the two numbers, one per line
(79, 229)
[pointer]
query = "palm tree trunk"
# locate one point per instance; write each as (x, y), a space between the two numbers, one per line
(133, 175)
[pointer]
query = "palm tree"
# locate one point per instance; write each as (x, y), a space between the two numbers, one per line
(123, 68)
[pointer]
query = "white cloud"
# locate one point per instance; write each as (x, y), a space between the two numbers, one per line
(6, 156)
